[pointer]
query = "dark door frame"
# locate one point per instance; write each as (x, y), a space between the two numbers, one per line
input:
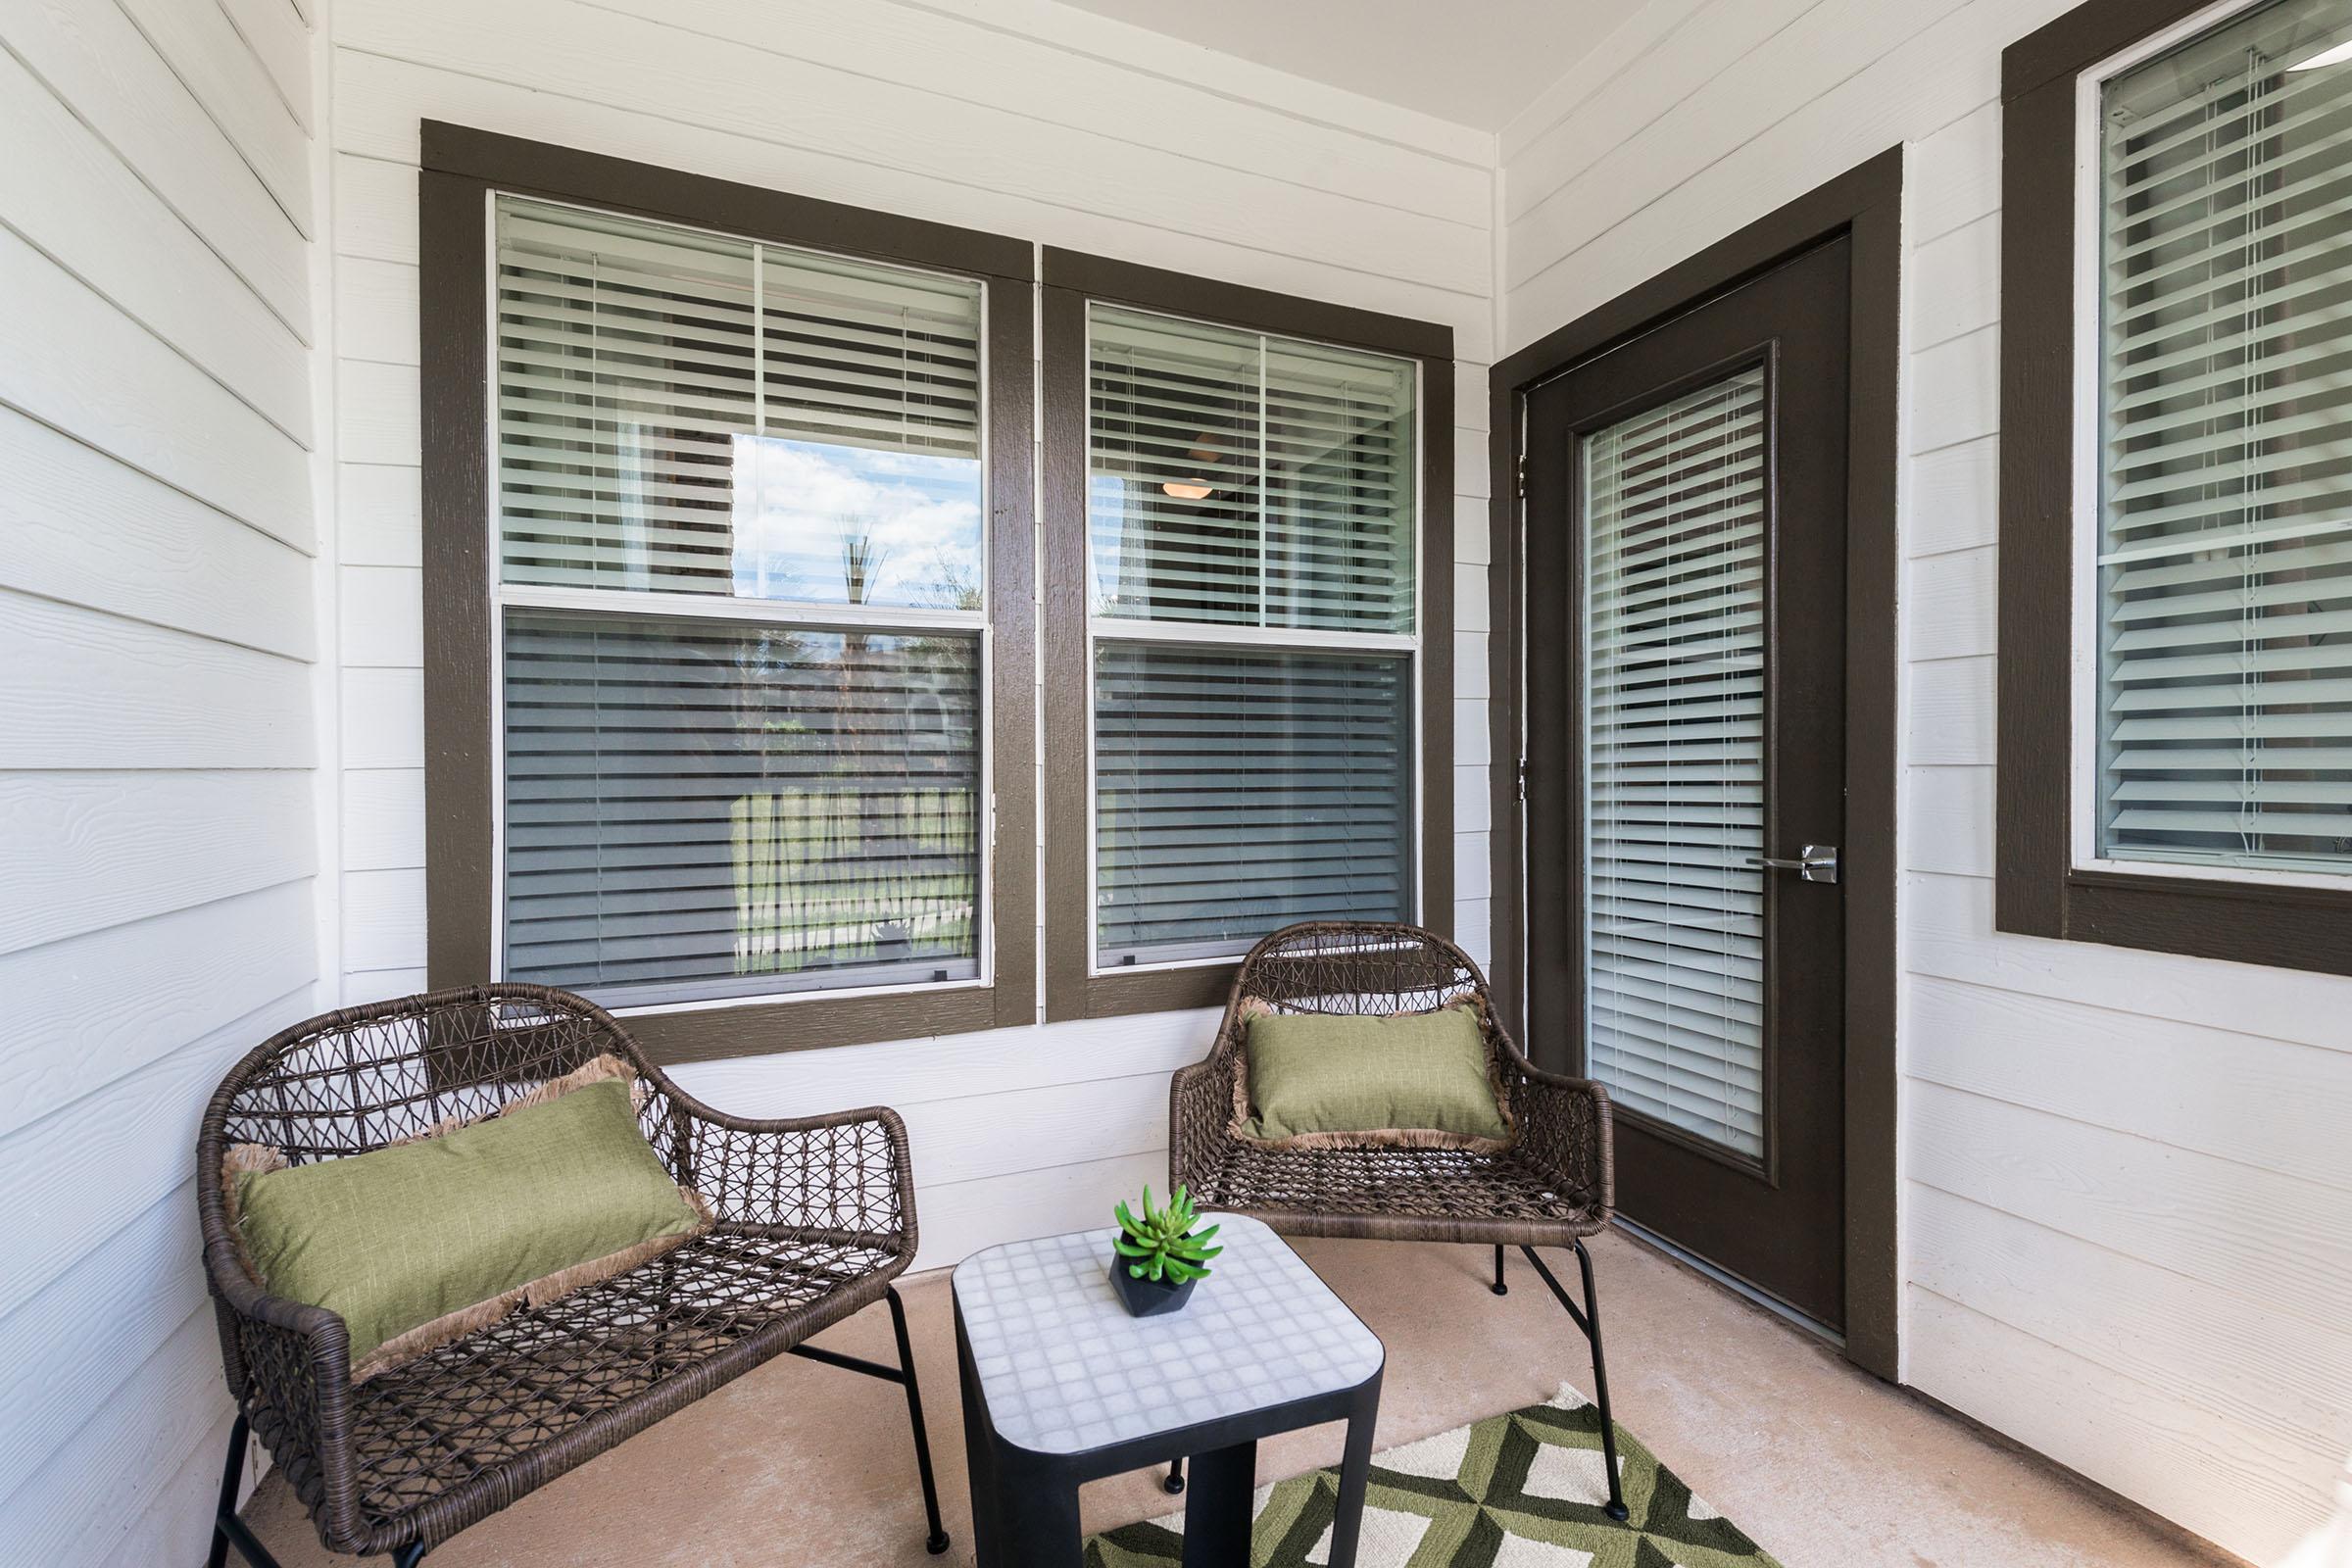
(1866, 204)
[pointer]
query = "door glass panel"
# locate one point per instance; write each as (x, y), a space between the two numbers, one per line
(1673, 509)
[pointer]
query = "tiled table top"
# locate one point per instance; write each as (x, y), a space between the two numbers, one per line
(1065, 1369)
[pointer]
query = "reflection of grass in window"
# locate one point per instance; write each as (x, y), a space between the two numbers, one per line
(830, 877)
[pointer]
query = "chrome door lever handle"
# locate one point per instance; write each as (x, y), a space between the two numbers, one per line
(1818, 862)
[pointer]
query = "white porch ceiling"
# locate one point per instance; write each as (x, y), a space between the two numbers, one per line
(1473, 62)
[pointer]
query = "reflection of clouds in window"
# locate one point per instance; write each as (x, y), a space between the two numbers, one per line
(855, 524)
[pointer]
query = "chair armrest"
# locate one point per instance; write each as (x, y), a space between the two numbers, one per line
(1564, 1126)
(1200, 1116)
(289, 1370)
(847, 1176)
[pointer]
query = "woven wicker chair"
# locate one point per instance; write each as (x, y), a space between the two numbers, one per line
(1553, 1187)
(815, 1220)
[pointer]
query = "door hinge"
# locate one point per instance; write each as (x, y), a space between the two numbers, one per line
(1522, 476)
(1522, 778)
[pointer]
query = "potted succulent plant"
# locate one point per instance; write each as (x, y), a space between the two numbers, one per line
(1157, 1259)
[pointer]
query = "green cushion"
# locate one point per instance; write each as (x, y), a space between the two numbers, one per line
(402, 1236)
(1324, 1073)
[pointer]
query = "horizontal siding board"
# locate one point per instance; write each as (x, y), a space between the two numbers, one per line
(1949, 718)
(375, 310)
(1948, 820)
(2074, 1410)
(375, 199)
(168, 559)
(74, 361)
(91, 56)
(280, 38)
(949, 57)
(116, 1305)
(1949, 604)
(103, 1165)
(2274, 1105)
(383, 919)
(94, 691)
(1948, 921)
(147, 989)
(2230, 1228)
(1955, 283)
(377, 415)
(1955, 498)
(379, 511)
(383, 818)
(381, 101)
(1955, 390)
(78, 201)
(73, 1509)
(1955, 175)
(557, 46)
(955, 1068)
(85, 851)
(221, 71)
(382, 617)
(960, 1218)
(383, 717)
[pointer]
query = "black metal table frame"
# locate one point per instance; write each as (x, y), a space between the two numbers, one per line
(1025, 1503)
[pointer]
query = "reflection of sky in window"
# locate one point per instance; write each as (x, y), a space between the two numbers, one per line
(808, 516)
(1106, 514)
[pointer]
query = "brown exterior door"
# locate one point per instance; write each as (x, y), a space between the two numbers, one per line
(1685, 700)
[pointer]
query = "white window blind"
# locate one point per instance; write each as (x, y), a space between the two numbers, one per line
(740, 599)
(1251, 513)
(2224, 609)
(1674, 736)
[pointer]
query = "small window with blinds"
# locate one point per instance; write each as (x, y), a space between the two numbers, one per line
(1252, 522)
(740, 608)
(2221, 448)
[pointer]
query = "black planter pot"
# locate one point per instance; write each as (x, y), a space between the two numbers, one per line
(1146, 1296)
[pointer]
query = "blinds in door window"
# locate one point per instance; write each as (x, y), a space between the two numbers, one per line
(2224, 599)
(1673, 721)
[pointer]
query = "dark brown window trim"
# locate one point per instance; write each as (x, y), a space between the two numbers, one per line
(461, 167)
(1072, 278)
(2038, 889)
(1866, 204)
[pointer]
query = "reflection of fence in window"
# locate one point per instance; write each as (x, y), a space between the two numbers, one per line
(830, 877)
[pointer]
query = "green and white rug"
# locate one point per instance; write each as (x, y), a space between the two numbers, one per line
(1518, 1490)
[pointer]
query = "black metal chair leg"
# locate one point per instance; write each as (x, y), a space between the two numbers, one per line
(1500, 1287)
(937, 1542)
(230, 1474)
(410, 1555)
(1173, 1481)
(1587, 1318)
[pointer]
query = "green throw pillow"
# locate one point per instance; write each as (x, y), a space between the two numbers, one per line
(1315, 1076)
(457, 1226)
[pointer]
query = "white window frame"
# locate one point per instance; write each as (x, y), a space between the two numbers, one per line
(2090, 472)
(624, 604)
(1217, 635)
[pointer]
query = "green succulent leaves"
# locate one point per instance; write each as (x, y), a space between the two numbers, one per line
(1161, 1247)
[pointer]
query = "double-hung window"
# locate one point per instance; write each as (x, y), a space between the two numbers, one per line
(1255, 635)
(739, 645)
(2207, 488)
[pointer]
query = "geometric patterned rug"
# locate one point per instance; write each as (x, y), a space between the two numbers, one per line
(1518, 1490)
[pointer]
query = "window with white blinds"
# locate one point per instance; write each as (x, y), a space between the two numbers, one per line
(2222, 609)
(1252, 509)
(1674, 736)
(740, 599)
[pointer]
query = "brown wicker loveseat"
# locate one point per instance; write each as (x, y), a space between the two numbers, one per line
(1553, 1187)
(816, 1218)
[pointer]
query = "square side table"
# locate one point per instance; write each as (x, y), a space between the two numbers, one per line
(1060, 1386)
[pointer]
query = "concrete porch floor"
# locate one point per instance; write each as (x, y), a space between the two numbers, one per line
(1827, 1468)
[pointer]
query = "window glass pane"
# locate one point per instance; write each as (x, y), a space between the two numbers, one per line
(1674, 780)
(704, 809)
(1245, 480)
(685, 413)
(1240, 790)
(2224, 605)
